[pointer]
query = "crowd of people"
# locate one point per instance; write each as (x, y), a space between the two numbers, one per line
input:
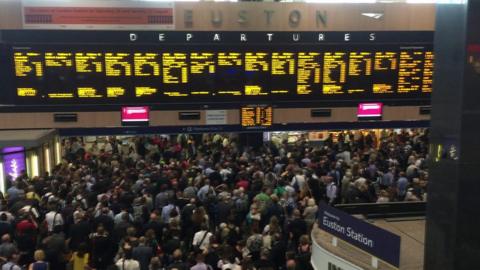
(199, 203)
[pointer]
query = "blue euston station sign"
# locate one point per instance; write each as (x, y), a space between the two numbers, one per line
(369, 238)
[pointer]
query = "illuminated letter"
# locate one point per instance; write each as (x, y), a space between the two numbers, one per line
(188, 18)
(294, 18)
(242, 17)
(133, 37)
(269, 14)
(189, 36)
(270, 36)
(216, 37)
(322, 18)
(321, 37)
(161, 37)
(217, 18)
(243, 37)
(372, 37)
(347, 37)
(296, 37)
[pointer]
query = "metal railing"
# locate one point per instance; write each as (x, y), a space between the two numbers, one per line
(385, 210)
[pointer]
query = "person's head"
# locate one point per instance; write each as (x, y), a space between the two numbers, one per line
(274, 221)
(311, 202)
(14, 256)
(6, 238)
(149, 234)
(125, 217)
(82, 249)
(57, 229)
(291, 265)
(39, 255)
(131, 231)
(100, 228)
(200, 258)
(290, 255)
(177, 254)
(384, 193)
(264, 253)
(304, 240)
(155, 263)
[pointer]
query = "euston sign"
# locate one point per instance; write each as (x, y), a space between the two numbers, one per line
(369, 238)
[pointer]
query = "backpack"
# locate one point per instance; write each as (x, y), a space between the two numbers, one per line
(295, 184)
(241, 205)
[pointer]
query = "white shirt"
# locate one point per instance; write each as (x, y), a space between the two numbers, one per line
(227, 265)
(300, 179)
(53, 219)
(331, 192)
(131, 264)
(197, 238)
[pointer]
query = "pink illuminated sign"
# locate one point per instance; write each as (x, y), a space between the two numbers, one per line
(135, 114)
(370, 110)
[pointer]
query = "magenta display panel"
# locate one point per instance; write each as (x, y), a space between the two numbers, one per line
(370, 109)
(135, 114)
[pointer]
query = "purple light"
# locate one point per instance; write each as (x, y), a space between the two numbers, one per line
(13, 161)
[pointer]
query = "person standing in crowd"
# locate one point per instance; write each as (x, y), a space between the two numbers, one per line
(12, 262)
(40, 263)
(127, 262)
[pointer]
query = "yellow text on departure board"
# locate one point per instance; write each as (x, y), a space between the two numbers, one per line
(87, 62)
(360, 64)
(201, 63)
(175, 68)
(113, 92)
(27, 63)
(26, 92)
(308, 71)
(410, 71)
(428, 72)
(229, 59)
(145, 91)
(256, 61)
(385, 61)
(283, 63)
(334, 67)
(88, 92)
(58, 59)
(257, 116)
(146, 64)
(118, 64)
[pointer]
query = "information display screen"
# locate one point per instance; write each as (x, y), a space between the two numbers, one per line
(219, 73)
(135, 114)
(370, 110)
(256, 116)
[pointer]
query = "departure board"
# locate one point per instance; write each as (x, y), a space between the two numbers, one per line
(256, 116)
(56, 73)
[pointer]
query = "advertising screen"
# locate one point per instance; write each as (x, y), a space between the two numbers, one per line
(13, 161)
